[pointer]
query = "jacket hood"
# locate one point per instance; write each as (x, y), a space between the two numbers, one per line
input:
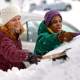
(42, 28)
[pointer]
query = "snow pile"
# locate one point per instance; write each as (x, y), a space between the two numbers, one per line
(48, 69)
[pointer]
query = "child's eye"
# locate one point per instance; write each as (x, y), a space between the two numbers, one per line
(56, 21)
(13, 20)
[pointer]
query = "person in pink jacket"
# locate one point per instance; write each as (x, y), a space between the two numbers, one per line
(11, 52)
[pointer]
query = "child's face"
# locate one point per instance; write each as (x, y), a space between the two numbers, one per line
(15, 24)
(56, 24)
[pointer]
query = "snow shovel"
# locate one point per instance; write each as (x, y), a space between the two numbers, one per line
(60, 55)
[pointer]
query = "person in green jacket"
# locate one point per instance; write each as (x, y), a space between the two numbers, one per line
(50, 33)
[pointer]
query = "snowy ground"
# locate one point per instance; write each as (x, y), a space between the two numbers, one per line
(73, 16)
(48, 69)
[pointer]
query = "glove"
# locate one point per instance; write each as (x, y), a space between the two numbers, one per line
(64, 57)
(61, 36)
(34, 58)
(61, 55)
(66, 36)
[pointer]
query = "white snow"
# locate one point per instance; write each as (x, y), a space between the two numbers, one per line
(73, 16)
(48, 69)
(53, 70)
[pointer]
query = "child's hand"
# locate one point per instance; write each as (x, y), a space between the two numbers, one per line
(66, 36)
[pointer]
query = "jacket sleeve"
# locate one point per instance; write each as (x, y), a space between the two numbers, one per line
(10, 52)
(76, 34)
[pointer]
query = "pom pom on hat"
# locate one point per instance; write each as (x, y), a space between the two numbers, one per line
(8, 13)
(49, 15)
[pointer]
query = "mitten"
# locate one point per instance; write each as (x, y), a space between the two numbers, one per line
(66, 36)
(64, 57)
(61, 36)
(34, 58)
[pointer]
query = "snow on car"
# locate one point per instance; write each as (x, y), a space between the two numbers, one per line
(48, 69)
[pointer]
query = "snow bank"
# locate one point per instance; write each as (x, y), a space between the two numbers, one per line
(48, 69)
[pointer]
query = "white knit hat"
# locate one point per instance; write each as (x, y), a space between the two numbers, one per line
(8, 13)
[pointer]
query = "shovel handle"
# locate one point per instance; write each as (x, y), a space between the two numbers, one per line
(55, 56)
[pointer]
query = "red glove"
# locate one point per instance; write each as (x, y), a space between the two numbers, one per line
(66, 36)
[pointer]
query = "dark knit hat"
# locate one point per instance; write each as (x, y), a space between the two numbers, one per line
(49, 15)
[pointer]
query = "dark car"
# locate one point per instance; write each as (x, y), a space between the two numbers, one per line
(60, 6)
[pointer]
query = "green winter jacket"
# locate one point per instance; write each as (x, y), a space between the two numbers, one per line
(46, 40)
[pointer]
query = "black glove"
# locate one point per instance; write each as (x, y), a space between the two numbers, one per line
(64, 57)
(34, 58)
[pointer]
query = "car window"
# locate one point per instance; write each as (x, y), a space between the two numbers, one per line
(32, 31)
(31, 28)
(24, 35)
